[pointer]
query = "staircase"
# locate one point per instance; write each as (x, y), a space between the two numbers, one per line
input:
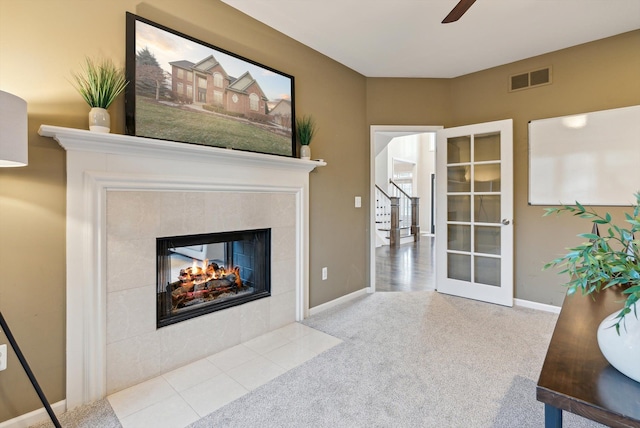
(397, 216)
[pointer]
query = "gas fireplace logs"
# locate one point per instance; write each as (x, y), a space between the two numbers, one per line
(197, 285)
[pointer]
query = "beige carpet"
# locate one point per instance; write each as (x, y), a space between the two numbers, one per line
(408, 359)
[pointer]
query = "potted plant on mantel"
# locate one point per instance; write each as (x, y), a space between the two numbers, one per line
(305, 130)
(610, 260)
(100, 82)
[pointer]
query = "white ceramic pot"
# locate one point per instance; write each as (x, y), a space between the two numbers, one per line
(305, 152)
(99, 120)
(621, 351)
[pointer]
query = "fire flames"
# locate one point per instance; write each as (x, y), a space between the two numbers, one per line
(204, 272)
(205, 281)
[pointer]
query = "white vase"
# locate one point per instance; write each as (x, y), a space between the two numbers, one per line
(305, 152)
(621, 351)
(99, 120)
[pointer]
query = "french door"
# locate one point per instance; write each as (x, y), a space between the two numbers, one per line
(474, 218)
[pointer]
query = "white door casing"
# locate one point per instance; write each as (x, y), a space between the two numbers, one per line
(380, 136)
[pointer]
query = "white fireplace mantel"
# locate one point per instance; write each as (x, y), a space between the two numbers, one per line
(97, 163)
(87, 141)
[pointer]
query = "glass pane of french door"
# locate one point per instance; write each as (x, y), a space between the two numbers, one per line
(477, 213)
(473, 193)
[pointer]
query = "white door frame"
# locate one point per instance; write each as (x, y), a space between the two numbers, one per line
(379, 133)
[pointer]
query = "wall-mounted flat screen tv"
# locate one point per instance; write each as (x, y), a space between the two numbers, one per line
(185, 90)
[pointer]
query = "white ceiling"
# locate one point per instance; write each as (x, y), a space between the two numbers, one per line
(404, 38)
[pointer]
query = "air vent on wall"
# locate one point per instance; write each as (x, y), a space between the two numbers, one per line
(530, 79)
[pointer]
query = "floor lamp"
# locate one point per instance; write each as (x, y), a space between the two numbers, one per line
(13, 153)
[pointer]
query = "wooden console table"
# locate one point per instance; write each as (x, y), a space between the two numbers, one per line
(576, 377)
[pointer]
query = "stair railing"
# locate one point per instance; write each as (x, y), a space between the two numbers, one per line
(387, 215)
(383, 209)
(409, 210)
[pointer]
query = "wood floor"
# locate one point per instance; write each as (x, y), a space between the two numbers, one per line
(408, 268)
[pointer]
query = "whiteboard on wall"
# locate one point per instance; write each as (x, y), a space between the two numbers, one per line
(592, 158)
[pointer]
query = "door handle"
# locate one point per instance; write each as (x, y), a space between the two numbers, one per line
(505, 222)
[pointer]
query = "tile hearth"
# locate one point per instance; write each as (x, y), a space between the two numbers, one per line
(182, 396)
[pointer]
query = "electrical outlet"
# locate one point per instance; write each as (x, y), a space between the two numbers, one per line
(3, 357)
(324, 273)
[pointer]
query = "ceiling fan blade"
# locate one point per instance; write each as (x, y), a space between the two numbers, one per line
(457, 12)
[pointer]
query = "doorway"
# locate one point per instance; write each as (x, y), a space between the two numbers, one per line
(417, 256)
(474, 236)
(475, 231)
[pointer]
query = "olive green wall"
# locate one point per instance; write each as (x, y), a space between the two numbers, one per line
(589, 77)
(409, 102)
(41, 43)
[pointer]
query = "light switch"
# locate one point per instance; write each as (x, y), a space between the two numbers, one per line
(358, 201)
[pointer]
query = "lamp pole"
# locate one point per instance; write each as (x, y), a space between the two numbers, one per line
(27, 369)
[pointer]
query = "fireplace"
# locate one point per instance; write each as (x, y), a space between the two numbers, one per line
(204, 273)
(122, 193)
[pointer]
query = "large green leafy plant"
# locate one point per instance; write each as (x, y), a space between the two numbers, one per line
(607, 259)
(99, 82)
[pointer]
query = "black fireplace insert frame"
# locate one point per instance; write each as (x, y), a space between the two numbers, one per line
(262, 273)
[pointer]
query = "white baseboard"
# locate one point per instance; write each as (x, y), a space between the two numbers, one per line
(533, 305)
(323, 307)
(35, 417)
(518, 302)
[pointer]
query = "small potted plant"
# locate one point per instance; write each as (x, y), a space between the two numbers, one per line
(305, 130)
(610, 259)
(100, 82)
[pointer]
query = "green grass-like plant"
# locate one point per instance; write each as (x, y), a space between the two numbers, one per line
(305, 129)
(612, 259)
(99, 82)
(157, 120)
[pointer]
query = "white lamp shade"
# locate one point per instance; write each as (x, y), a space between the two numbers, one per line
(13, 130)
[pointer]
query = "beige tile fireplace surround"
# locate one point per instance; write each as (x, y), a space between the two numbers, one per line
(122, 193)
(136, 349)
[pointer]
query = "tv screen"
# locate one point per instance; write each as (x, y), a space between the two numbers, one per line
(185, 90)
